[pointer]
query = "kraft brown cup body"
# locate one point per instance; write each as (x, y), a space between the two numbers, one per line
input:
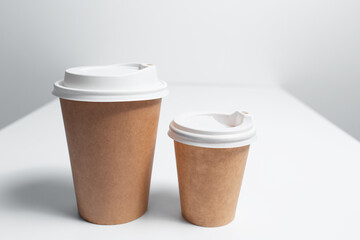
(111, 147)
(209, 182)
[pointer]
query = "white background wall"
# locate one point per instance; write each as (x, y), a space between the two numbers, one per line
(311, 48)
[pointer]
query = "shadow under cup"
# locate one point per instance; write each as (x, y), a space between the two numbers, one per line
(111, 147)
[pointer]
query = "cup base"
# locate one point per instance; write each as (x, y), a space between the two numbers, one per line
(210, 224)
(99, 222)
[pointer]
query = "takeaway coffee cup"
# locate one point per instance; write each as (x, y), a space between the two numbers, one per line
(111, 115)
(211, 151)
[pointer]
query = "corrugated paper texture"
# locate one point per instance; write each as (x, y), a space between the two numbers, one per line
(209, 182)
(111, 148)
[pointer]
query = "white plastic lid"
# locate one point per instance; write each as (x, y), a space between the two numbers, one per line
(213, 130)
(111, 83)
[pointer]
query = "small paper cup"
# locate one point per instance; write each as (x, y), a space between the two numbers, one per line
(211, 152)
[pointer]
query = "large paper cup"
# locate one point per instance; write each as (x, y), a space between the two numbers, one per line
(211, 151)
(111, 115)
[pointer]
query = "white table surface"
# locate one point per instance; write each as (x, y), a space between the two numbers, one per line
(302, 180)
